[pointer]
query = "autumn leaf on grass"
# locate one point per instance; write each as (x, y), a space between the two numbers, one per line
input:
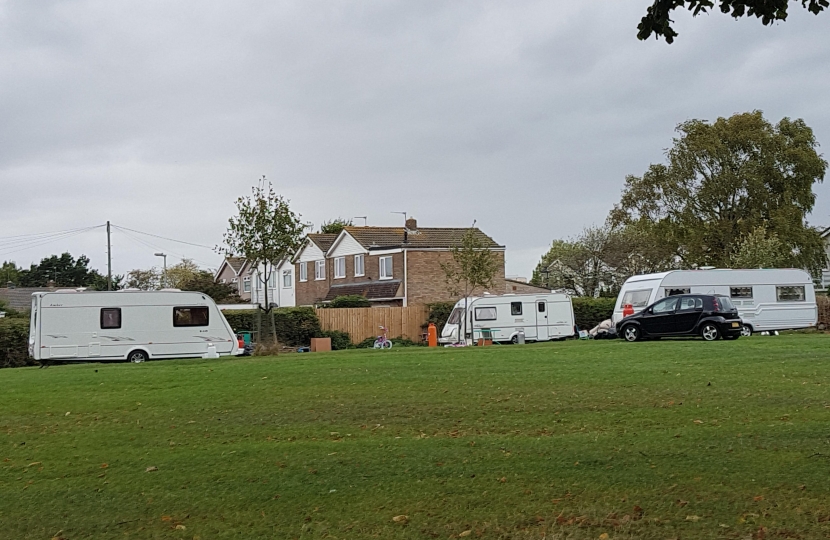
(180, 527)
(692, 518)
(465, 533)
(603, 536)
(166, 518)
(151, 468)
(104, 465)
(758, 498)
(400, 519)
(698, 421)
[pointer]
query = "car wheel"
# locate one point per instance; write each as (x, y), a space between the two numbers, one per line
(137, 357)
(709, 332)
(631, 333)
(514, 340)
(746, 330)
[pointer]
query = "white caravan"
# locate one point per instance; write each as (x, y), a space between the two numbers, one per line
(768, 299)
(541, 317)
(129, 325)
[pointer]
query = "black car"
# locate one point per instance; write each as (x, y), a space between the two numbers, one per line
(704, 315)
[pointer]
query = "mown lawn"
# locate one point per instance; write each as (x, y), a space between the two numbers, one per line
(670, 439)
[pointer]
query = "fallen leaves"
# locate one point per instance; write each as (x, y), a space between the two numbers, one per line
(693, 518)
(698, 421)
(604, 536)
(759, 498)
(151, 468)
(468, 532)
(105, 465)
(400, 519)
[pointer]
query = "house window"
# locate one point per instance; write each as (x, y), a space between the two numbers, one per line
(740, 292)
(515, 308)
(287, 282)
(246, 285)
(385, 267)
(190, 316)
(358, 266)
(486, 314)
(110, 318)
(319, 270)
(272, 280)
(303, 272)
(339, 267)
(790, 294)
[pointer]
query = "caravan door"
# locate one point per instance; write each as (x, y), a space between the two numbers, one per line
(542, 333)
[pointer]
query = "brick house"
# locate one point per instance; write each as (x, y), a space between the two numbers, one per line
(390, 266)
(237, 272)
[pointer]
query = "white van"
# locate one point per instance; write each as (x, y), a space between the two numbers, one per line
(541, 317)
(129, 325)
(768, 299)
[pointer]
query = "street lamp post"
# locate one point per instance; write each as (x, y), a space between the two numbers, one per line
(164, 272)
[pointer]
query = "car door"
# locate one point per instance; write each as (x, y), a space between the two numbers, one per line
(687, 314)
(659, 318)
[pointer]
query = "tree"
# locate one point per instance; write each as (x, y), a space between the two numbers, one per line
(473, 266)
(179, 273)
(760, 249)
(657, 21)
(265, 231)
(721, 182)
(9, 273)
(335, 226)
(202, 281)
(65, 271)
(145, 280)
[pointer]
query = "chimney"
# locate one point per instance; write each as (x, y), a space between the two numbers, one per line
(411, 224)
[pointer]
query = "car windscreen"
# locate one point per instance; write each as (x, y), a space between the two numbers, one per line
(636, 298)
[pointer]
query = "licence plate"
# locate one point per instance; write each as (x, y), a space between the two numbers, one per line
(735, 325)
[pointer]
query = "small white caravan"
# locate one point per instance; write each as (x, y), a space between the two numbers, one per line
(541, 317)
(767, 299)
(129, 325)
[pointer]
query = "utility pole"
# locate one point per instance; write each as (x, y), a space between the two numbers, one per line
(109, 259)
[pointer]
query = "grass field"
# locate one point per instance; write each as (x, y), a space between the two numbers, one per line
(670, 439)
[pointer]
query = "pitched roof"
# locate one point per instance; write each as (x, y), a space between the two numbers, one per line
(323, 240)
(236, 263)
(20, 298)
(429, 237)
(372, 290)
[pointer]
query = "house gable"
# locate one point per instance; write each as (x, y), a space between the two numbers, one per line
(345, 245)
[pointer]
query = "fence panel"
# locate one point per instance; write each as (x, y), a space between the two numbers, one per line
(362, 323)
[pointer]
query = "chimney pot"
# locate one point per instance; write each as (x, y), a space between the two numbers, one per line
(412, 224)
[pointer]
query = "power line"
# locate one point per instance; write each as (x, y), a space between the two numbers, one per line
(43, 241)
(48, 233)
(155, 247)
(163, 237)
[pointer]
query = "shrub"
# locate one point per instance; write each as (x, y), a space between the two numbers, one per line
(339, 340)
(14, 343)
(589, 312)
(349, 301)
(439, 312)
(295, 326)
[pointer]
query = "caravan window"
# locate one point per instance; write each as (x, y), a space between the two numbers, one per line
(740, 292)
(541, 306)
(486, 314)
(515, 308)
(790, 294)
(455, 316)
(636, 298)
(190, 316)
(675, 292)
(110, 318)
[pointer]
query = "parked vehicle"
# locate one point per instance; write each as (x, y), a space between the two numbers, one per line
(710, 317)
(129, 325)
(501, 318)
(768, 299)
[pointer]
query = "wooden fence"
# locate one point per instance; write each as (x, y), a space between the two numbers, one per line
(362, 323)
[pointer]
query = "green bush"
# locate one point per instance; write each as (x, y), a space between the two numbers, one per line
(589, 312)
(399, 341)
(14, 343)
(348, 301)
(339, 340)
(295, 326)
(439, 312)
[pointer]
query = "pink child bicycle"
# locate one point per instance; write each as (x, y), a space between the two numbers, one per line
(382, 342)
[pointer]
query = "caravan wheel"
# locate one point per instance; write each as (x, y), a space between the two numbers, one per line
(137, 357)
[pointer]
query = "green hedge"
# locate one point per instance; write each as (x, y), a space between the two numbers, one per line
(589, 312)
(14, 343)
(340, 341)
(295, 326)
(439, 312)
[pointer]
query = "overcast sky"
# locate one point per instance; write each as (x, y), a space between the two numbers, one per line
(523, 115)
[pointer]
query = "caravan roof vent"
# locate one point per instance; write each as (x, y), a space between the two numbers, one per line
(66, 290)
(706, 268)
(171, 290)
